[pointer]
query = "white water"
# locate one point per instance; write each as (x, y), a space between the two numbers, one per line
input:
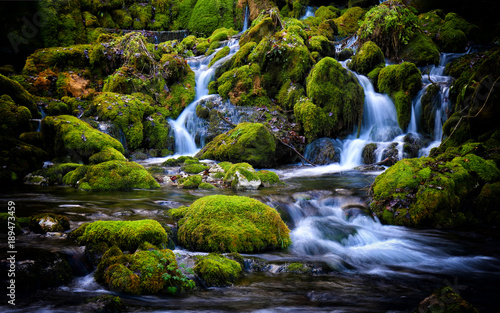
(347, 239)
(246, 21)
(309, 12)
(187, 123)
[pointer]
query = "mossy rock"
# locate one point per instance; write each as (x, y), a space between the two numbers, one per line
(18, 159)
(147, 271)
(269, 178)
(290, 93)
(367, 58)
(190, 182)
(349, 21)
(430, 103)
(67, 135)
(180, 160)
(107, 304)
(421, 51)
(401, 82)
(320, 44)
(48, 222)
(107, 154)
(430, 192)
(338, 94)
(445, 300)
(217, 271)
(206, 186)
(455, 33)
(208, 16)
(115, 175)
(242, 176)
(390, 25)
(127, 235)
(14, 119)
(232, 223)
(487, 204)
(248, 142)
(256, 33)
(54, 174)
(59, 58)
(18, 95)
(194, 168)
(219, 55)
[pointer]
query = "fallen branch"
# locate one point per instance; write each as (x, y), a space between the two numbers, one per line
(302, 158)
(225, 119)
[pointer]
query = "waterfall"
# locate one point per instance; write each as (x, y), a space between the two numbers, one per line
(38, 121)
(309, 12)
(187, 123)
(246, 20)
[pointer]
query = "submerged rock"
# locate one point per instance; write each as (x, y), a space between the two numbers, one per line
(48, 222)
(253, 226)
(323, 151)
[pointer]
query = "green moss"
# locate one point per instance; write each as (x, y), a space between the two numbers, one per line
(240, 58)
(180, 160)
(48, 222)
(485, 169)
(234, 172)
(127, 235)
(487, 204)
(269, 178)
(67, 135)
(216, 270)
(219, 55)
(289, 94)
(349, 21)
(256, 33)
(122, 18)
(367, 58)
(142, 15)
(14, 119)
(194, 168)
(327, 13)
(190, 182)
(54, 174)
(248, 142)
(206, 186)
(207, 16)
(18, 95)
(299, 268)
(232, 223)
(401, 82)
(58, 58)
(107, 154)
(454, 34)
(421, 51)
(446, 300)
(338, 93)
(320, 44)
(115, 175)
(423, 192)
(311, 117)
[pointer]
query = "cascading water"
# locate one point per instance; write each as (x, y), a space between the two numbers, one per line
(186, 124)
(39, 121)
(246, 21)
(309, 12)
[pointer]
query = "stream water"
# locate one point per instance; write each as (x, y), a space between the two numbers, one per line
(359, 265)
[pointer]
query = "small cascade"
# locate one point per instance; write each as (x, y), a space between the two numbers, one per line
(309, 12)
(246, 21)
(38, 121)
(187, 124)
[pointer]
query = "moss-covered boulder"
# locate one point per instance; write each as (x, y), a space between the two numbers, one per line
(390, 25)
(348, 23)
(430, 192)
(107, 154)
(431, 101)
(58, 59)
(242, 176)
(217, 271)
(337, 94)
(401, 82)
(14, 119)
(445, 300)
(48, 222)
(487, 204)
(111, 175)
(207, 16)
(269, 178)
(231, 223)
(17, 95)
(421, 51)
(190, 182)
(66, 135)
(248, 142)
(255, 34)
(127, 235)
(54, 174)
(148, 270)
(455, 33)
(367, 58)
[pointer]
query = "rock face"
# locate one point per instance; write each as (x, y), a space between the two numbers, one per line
(248, 142)
(252, 226)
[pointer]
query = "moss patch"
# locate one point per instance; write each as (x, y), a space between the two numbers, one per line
(216, 270)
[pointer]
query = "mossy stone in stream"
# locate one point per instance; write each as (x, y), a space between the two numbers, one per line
(421, 51)
(216, 270)
(190, 182)
(248, 142)
(107, 154)
(48, 222)
(106, 304)
(367, 58)
(231, 223)
(54, 174)
(127, 235)
(269, 178)
(113, 175)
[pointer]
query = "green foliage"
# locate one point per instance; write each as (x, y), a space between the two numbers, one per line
(48, 222)
(367, 58)
(232, 223)
(127, 235)
(67, 135)
(339, 95)
(248, 142)
(113, 175)
(216, 270)
(401, 82)
(390, 25)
